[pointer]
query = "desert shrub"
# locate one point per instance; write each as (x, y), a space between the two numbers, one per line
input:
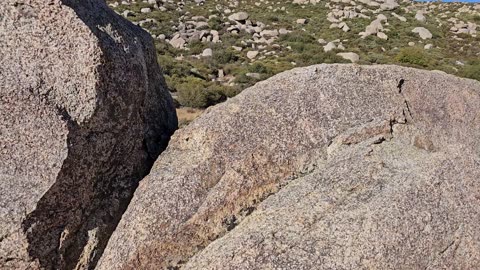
(164, 48)
(260, 68)
(218, 93)
(215, 23)
(272, 18)
(412, 56)
(476, 18)
(192, 93)
(298, 37)
(376, 58)
(172, 67)
(197, 93)
(471, 70)
(223, 56)
(196, 47)
(244, 80)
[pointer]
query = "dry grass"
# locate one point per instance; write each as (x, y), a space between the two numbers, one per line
(186, 115)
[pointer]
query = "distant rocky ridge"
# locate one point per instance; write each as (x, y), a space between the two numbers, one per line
(84, 112)
(324, 167)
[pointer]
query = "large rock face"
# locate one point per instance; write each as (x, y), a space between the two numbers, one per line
(84, 112)
(325, 167)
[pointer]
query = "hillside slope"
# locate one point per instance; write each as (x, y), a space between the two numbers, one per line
(211, 50)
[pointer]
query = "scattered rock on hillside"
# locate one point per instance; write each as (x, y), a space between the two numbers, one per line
(239, 16)
(81, 122)
(420, 17)
(352, 57)
(302, 21)
(373, 28)
(382, 35)
(386, 168)
(389, 5)
(207, 52)
(422, 32)
(401, 18)
(329, 47)
(178, 42)
(252, 54)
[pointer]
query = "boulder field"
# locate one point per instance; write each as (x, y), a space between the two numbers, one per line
(323, 167)
(84, 113)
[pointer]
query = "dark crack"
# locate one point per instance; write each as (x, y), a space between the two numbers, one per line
(408, 109)
(446, 248)
(400, 85)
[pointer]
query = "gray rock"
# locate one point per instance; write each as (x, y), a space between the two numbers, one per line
(352, 57)
(382, 18)
(420, 17)
(269, 33)
(253, 75)
(252, 54)
(302, 21)
(207, 52)
(283, 31)
(126, 13)
(81, 122)
(389, 5)
(316, 168)
(177, 42)
(239, 16)
(321, 41)
(330, 46)
(401, 18)
(201, 25)
(422, 32)
(373, 28)
(382, 35)
(238, 49)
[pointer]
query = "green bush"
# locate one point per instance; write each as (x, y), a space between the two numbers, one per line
(476, 18)
(192, 93)
(471, 70)
(215, 23)
(244, 80)
(197, 93)
(172, 67)
(260, 68)
(298, 37)
(196, 47)
(223, 56)
(413, 56)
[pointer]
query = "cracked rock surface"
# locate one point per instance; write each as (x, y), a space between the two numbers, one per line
(324, 167)
(84, 112)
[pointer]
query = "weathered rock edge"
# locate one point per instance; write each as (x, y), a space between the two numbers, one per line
(84, 112)
(324, 118)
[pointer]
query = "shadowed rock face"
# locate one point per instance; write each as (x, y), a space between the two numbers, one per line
(84, 112)
(324, 167)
